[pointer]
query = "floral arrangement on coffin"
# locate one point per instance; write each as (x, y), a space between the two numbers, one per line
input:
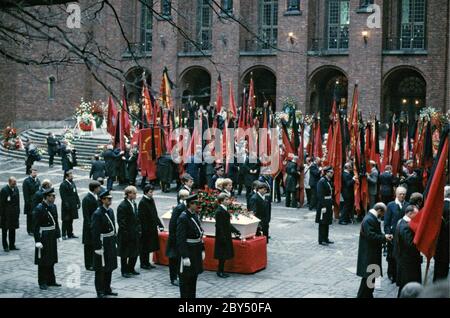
(207, 205)
(86, 113)
(11, 141)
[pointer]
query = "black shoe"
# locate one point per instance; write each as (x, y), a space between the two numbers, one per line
(329, 242)
(343, 222)
(91, 269)
(55, 285)
(135, 273)
(146, 267)
(64, 238)
(221, 275)
(111, 293)
(100, 295)
(175, 282)
(323, 243)
(6, 250)
(73, 236)
(43, 287)
(126, 275)
(14, 249)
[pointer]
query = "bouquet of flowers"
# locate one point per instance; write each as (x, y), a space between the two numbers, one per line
(10, 136)
(99, 110)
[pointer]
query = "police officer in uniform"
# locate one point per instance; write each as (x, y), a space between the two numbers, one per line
(324, 214)
(30, 186)
(103, 232)
(46, 235)
(70, 203)
(190, 248)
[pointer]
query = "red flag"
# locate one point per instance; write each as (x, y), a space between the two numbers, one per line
(148, 166)
(251, 95)
(232, 107)
(286, 142)
(219, 98)
(387, 149)
(125, 124)
(427, 223)
(148, 107)
(336, 163)
(318, 142)
(112, 117)
(120, 131)
(165, 90)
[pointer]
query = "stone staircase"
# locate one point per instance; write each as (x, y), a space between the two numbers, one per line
(86, 146)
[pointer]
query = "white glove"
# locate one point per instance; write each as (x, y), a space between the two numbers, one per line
(99, 252)
(186, 262)
(39, 245)
(203, 255)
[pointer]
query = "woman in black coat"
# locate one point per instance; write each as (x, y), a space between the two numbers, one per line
(223, 246)
(150, 223)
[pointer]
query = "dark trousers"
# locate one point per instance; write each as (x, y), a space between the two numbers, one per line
(248, 193)
(313, 204)
(278, 185)
(144, 258)
(392, 263)
(174, 266)
(265, 230)
(440, 270)
(28, 169)
(67, 228)
(323, 232)
(109, 183)
(88, 256)
(30, 222)
(127, 264)
(364, 290)
(8, 236)
(291, 199)
(221, 267)
(346, 211)
(103, 282)
(372, 200)
(46, 275)
(188, 285)
(308, 197)
(50, 159)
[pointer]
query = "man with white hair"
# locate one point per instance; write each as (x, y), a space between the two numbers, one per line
(441, 257)
(369, 251)
(395, 211)
(372, 180)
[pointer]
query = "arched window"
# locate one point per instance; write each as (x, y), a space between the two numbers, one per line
(51, 87)
(204, 24)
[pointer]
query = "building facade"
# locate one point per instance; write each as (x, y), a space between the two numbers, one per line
(397, 51)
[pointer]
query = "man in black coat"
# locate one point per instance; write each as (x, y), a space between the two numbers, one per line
(324, 213)
(441, 256)
(46, 234)
(251, 173)
(9, 214)
(150, 224)
(219, 174)
(89, 205)
(165, 171)
(111, 168)
(187, 182)
(314, 177)
(70, 203)
(395, 211)
(30, 186)
(171, 248)
(408, 257)
(190, 248)
(262, 208)
(412, 179)
(38, 197)
(291, 181)
(103, 231)
(129, 232)
(348, 182)
(132, 165)
(223, 245)
(66, 156)
(98, 168)
(386, 180)
(52, 148)
(369, 250)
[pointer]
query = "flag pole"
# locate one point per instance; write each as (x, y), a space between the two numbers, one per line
(426, 273)
(273, 188)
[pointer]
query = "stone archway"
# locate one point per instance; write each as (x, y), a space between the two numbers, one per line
(326, 83)
(404, 93)
(195, 85)
(134, 82)
(265, 85)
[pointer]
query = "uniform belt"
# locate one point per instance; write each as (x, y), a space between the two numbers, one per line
(327, 197)
(199, 240)
(110, 234)
(46, 228)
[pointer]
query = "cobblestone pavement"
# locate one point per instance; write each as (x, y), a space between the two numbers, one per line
(297, 266)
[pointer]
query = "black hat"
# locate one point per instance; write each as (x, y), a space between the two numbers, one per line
(105, 194)
(47, 192)
(190, 198)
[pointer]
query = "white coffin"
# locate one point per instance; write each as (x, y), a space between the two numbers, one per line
(246, 225)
